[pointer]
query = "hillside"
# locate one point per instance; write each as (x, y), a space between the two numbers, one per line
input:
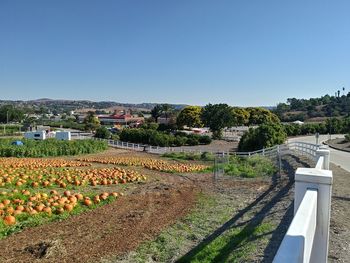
(61, 106)
(314, 109)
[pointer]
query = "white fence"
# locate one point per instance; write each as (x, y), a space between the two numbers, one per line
(161, 150)
(304, 148)
(308, 235)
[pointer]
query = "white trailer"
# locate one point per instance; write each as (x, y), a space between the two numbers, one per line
(63, 135)
(36, 135)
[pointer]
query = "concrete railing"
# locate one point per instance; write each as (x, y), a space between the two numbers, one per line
(308, 235)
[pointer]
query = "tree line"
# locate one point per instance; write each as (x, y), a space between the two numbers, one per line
(219, 116)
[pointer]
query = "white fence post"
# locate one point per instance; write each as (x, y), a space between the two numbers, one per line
(321, 180)
(323, 151)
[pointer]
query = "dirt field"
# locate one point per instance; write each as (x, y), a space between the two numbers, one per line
(113, 232)
(215, 146)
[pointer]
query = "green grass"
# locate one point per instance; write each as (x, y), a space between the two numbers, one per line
(205, 156)
(209, 214)
(234, 245)
(251, 167)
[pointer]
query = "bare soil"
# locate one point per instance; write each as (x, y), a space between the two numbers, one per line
(214, 146)
(339, 246)
(150, 207)
(112, 229)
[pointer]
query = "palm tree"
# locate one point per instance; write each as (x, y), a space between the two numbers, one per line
(156, 112)
(166, 110)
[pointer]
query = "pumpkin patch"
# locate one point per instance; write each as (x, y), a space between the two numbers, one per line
(149, 163)
(54, 187)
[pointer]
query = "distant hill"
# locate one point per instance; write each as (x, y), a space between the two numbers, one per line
(61, 106)
(314, 109)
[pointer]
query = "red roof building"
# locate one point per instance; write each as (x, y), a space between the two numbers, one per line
(121, 119)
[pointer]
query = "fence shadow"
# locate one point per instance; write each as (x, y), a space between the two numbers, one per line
(277, 191)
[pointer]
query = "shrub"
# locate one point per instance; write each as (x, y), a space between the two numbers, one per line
(205, 139)
(180, 140)
(150, 126)
(192, 141)
(103, 133)
(158, 138)
(161, 139)
(207, 156)
(266, 135)
(65, 124)
(347, 137)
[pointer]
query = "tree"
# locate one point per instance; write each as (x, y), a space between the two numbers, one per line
(91, 122)
(266, 135)
(217, 117)
(159, 110)
(260, 115)
(156, 112)
(166, 110)
(240, 116)
(103, 133)
(29, 122)
(190, 116)
(11, 114)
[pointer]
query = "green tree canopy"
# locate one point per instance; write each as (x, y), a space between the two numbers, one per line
(266, 135)
(156, 112)
(11, 114)
(217, 117)
(240, 116)
(91, 122)
(162, 110)
(190, 116)
(260, 115)
(103, 133)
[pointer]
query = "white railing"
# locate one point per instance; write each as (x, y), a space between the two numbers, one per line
(304, 148)
(268, 152)
(308, 235)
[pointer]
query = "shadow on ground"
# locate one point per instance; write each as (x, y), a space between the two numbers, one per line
(258, 210)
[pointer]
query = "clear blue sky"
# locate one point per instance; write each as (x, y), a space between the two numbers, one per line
(241, 52)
